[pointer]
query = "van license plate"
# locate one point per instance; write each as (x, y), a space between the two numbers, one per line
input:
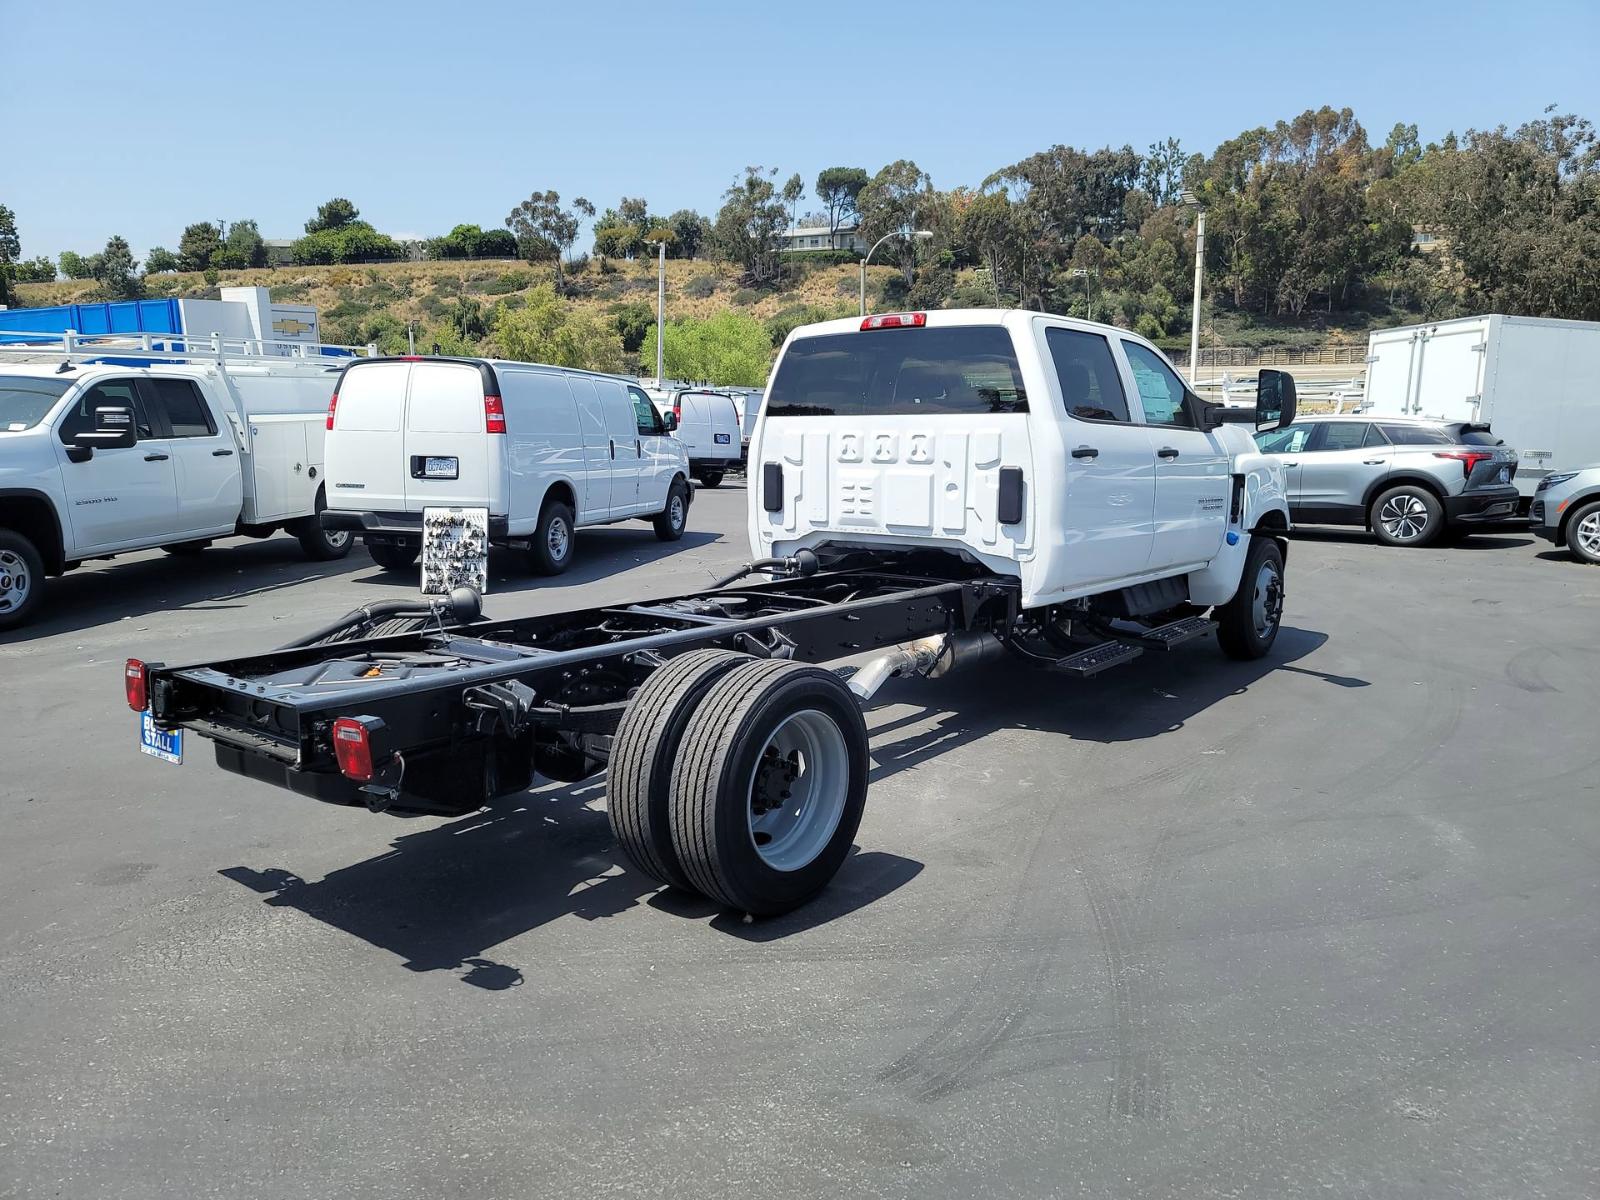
(1505, 474)
(441, 468)
(723, 439)
(158, 743)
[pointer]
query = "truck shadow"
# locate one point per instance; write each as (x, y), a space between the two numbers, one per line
(441, 898)
(153, 581)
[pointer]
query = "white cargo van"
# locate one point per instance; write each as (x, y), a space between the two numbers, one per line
(545, 449)
(708, 427)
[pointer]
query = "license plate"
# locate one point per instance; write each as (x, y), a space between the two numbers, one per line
(722, 439)
(441, 468)
(158, 742)
(1505, 474)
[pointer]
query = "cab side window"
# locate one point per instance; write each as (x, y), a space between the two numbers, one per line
(1345, 435)
(644, 412)
(1091, 387)
(1290, 440)
(115, 393)
(187, 414)
(1161, 392)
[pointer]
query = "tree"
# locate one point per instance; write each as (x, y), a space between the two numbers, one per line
(335, 214)
(243, 247)
(891, 204)
(35, 270)
(731, 349)
(75, 265)
(118, 271)
(353, 242)
(690, 233)
(633, 321)
(989, 227)
(837, 188)
(750, 225)
(546, 330)
(197, 248)
(10, 251)
(544, 230)
(1162, 172)
(161, 260)
(470, 241)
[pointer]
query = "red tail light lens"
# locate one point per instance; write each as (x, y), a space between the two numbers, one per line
(494, 415)
(1468, 458)
(135, 681)
(896, 321)
(332, 404)
(352, 748)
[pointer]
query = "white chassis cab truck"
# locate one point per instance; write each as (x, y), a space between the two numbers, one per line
(927, 490)
(124, 444)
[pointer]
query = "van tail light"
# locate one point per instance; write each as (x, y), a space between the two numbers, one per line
(332, 405)
(494, 415)
(1468, 459)
(352, 746)
(136, 682)
(915, 320)
(677, 410)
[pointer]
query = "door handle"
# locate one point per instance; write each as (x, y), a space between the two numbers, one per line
(1166, 452)
(638, 448)
(221, 453)
(1293, 464)
(156, 457)
(613, 447)
(1372, 462)
(1085, 452)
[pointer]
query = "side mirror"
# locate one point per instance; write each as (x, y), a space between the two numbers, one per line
(1275, 401)
(113, 430)
(670, 420)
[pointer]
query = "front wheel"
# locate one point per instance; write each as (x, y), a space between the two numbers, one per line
(21, 579)
(1408, 515)
(1583, 533)
(672, 519)
(1248, 624)
(319, 544)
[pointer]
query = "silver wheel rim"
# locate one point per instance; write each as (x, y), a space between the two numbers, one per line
(1266, 605)
(1588, 535)
(798, 789)
(1404, 518)
(558, 539)
(675, 510)
(15, 581)
(337, 539)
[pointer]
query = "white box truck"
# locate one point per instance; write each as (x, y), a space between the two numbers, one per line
(1534, 381)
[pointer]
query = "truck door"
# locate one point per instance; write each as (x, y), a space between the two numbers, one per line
(365, 450)
(205, 460)
(117, 498)
(1193, 480)
(1109, 471)
(447, 456)
(660, 452)
(595, 503)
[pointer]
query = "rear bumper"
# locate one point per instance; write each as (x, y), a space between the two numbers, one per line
(393, 526)
(1489, 504)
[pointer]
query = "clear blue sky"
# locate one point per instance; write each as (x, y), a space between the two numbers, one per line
(136, 119)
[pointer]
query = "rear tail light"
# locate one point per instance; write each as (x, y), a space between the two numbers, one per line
(677, 410)
(914, 320)
(332, 405)
(135, 681)
(352, 747)
(494, 415)
(1468, 459)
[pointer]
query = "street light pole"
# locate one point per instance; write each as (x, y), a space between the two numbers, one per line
(1191, 200)
(921, 235)
(661, 307)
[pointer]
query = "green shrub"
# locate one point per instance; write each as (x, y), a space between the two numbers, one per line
(508, 282)
(745, 297)
(701, 287)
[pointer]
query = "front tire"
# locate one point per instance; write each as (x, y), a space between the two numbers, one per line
(394, 556)
(550, 550)
(319, 544)
(1408, 515)
(769, 786)
(21, 579)
(671, 520)
(1583, 533)
(1248, 624)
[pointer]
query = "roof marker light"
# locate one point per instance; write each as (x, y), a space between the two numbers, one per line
(909, 320)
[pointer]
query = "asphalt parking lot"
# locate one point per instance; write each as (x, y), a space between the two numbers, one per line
(1322, 925)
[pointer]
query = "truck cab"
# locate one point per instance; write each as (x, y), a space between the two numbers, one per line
(1066, 453)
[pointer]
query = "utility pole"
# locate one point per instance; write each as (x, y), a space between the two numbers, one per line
(661, 307)
(1190, 200)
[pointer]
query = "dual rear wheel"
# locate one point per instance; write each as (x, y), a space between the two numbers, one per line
(740, 778)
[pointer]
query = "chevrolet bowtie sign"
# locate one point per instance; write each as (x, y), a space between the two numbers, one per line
(290, 327)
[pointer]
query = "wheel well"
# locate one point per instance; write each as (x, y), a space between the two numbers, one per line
(1272, 519)
(1393, 481)
(563, 492)
(1572, 507)
(31, 515)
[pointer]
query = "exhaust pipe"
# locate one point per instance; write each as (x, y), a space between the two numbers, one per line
(931, 657)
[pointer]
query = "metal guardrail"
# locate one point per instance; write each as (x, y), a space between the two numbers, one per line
(172, 347)
(1274, 356)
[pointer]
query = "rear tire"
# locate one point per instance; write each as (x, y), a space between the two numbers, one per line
(671, 520)
(188, 549)
(392, 556)
(769, 786)
(1408, 515)
(550, 548)
(1248, 624)
(21, 579)
(710, 479)
(319, 544)
(639, 777)
(1583, 533)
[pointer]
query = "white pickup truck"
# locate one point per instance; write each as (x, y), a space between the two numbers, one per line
(98, 459)
(927, 491)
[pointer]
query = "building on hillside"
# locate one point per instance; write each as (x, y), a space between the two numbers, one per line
(280, 251)
(817, 237)
(1426, 239)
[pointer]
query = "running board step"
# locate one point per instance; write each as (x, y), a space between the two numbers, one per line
(1174, 633)
(1098, 658)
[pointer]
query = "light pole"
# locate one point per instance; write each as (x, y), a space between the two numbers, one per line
(1190, 200)
(921, 235)
(661, 306)
(1086, 272)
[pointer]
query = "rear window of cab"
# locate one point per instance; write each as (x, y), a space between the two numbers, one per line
(937, 371)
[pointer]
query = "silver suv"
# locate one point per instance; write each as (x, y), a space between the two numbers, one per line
(1566, 508)
(1409, 480)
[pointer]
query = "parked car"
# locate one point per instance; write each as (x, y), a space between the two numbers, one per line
(1409, 480)
(101, 459)
(708, 427)
(1566, 510)
(546, 450)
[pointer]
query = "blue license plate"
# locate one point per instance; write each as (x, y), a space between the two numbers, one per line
(722, 439)
(158, 742)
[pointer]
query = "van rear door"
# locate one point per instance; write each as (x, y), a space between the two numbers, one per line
(451, 456)
(365, 451)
